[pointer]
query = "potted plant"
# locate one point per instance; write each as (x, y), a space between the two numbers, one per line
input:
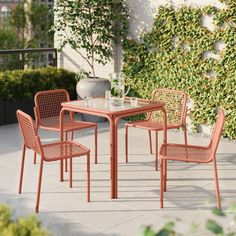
(93, 28)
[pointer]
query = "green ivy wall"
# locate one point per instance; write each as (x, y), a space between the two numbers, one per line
(181, 53)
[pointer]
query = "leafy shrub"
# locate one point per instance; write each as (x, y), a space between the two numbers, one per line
(24, 226)
(211, 225)
(23, 84)
(181, 53)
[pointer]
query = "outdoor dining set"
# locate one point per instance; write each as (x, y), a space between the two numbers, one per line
(166, 110)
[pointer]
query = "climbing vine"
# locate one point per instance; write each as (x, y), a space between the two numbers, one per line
(181, 53)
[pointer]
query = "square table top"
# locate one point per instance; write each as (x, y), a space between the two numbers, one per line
(103, 106)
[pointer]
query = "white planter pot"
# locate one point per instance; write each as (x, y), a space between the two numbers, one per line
(92, 87)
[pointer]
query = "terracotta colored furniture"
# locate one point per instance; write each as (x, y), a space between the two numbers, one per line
(175, 105)
(48, 152)
(102, 107)
(47, 111)
(195, 154)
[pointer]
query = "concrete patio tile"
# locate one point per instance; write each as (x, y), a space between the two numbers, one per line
(109, 220)
(186, 223)
(190, 195)
(62, 227)
(100, 214)
(136, 226)
(60, 224)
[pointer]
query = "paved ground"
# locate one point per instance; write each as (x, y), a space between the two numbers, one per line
(190, 196)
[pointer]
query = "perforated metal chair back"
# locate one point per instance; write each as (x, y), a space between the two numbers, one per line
(28, 132)
(48, 103)
(218, 128)
(175, 105)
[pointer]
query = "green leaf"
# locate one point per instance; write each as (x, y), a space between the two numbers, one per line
(169, 226)
(148, 231)
(214, 227)
(218, 212)
(165, 232)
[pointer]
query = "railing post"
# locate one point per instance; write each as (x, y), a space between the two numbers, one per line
(55, 58)
(22, 60)
(22, 55)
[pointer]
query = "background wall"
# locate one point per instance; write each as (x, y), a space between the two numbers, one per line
(142, 13)
(69, 59)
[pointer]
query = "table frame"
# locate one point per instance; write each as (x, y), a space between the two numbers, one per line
(113, 118)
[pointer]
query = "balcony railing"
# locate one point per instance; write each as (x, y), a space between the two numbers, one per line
(27, 58)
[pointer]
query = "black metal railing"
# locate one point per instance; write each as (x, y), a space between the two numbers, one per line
(27, 58)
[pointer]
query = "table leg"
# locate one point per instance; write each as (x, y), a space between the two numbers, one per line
(164, 166)
(164, 126)
(62, 138)
(113, 153)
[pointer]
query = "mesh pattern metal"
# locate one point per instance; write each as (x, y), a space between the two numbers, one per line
(195, 153)
(217, 130)
(175, 105)
(28, 131)
(48, 103)
(62, 150)
(186, 153)
(53, 123)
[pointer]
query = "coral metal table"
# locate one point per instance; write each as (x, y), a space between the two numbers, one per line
(101, 107)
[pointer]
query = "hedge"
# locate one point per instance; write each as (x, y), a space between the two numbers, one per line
(23, 84)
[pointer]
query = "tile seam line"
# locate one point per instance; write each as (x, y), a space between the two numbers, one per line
(86, 226)
(131, 219)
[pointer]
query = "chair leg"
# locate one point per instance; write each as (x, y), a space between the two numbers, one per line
(185, 135)
(161, 184)
(35, 154)
(88, 177)
(217, 184)
(39, 186)
(71, 172)
(35, 157)
(22, 167)
(61, 170)
(156, 161)
(96, 144)
(165, 174)
(66, 163)
(150, 140)
(126, 144)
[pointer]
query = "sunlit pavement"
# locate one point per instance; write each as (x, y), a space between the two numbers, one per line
(190, 195)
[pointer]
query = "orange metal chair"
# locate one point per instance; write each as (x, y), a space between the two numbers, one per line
(195, 154)
(175, 105)
(48, 152)
(47, 110)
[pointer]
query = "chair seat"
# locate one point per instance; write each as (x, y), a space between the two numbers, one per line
(62, 150)
(189, 153)
(53, 123)
(150, 125)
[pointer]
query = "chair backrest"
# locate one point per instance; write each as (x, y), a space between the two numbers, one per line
(215, 139)
(48, 103)
(28, 131)
(175, 105)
